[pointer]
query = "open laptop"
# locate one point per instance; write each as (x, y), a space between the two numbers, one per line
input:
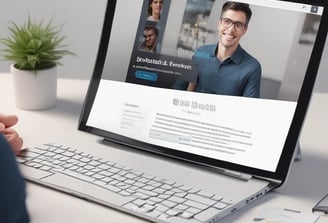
(246, 144)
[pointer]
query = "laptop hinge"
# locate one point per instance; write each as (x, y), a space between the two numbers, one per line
(235, 174)
(273, 182)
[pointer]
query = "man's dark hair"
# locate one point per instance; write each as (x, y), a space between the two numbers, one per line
(147, 28)
(238, 6)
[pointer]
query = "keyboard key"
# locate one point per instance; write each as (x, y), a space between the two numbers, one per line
(207, 214)
(147, 208)
(187, 215)
(139, 202)
(195, 204)
(173, 212)
(205, 194)
(153, 213)
(177, 200)
(201, 199)
(221, 205)
(148, 192)
(162, 208)
(112, 188)
(141, 195)
(75, 175)
(164, 217)
(169, 204)
(193, 210)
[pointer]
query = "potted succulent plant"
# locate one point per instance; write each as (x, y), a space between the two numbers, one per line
(35, 48)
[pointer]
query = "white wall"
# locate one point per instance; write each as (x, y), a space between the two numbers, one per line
(82, 23)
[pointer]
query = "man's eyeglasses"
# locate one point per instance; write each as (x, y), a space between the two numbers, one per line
(227, 23)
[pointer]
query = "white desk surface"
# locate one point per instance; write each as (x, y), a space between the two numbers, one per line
(307, 182)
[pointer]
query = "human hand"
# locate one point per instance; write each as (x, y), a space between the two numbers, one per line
(13, 138)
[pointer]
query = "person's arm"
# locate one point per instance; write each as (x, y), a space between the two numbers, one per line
(253, 86)
(12, 187)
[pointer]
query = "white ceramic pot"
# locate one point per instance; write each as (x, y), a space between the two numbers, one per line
(35, 90)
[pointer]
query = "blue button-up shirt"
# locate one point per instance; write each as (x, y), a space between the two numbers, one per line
(238, 75)
(12, 193)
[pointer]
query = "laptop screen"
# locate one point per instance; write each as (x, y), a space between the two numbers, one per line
(219, 84)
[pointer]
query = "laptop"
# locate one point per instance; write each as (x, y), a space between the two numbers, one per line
(242, 146)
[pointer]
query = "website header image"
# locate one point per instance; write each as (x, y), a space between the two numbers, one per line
(188, 26)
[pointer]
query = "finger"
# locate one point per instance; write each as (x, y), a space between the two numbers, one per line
(8, 120)
(14, 141)
(17, 145)
(2, 127)
(8, 131)
(11, 136)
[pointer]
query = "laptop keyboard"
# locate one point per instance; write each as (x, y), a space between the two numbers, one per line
(148, 196)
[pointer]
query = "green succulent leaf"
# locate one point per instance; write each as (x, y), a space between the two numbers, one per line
(34, 46)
